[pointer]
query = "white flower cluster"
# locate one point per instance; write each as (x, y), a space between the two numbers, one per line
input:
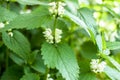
(25, 11)
(97, 66)
(48, 77)
(10, 33)
(2, 25)
(116, 8)
(106, 52)
(57, 8)
(49, 36)
(58, 36)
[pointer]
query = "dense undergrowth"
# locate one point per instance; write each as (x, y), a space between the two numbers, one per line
(59, 39)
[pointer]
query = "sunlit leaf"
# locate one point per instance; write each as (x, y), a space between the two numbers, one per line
(112, 73)
(113, 45)
(29, 21)
(31, 2)
(62, 57)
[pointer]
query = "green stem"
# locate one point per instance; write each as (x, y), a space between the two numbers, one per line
(7, 52)
(104, 56)
(54, 26)
(7, 57)
(55, 22)
(7, 5)
(47, 71)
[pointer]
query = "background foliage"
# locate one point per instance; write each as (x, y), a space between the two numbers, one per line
(91, 30)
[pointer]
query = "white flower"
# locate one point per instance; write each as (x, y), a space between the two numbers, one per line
(106, 51)
(111, 36)
(25, 11)
(58, 36)
(48, 35)
(97, 66)
(48, 77)
(53, 8)
(116, 8)
(61, 9)
(2, 25)
(101, 66)
(99, 1)
(53, 4)
(10, 34)
(7, 22)
(57, 8)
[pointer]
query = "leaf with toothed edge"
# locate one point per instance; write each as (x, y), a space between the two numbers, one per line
(62, 57)
(17, 43)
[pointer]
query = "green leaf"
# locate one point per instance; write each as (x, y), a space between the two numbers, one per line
(112, 73)
(113, 45)
(6, 15)
(91, 34)
(38, 64)
(99, 42)
(36, 19)
(87, 76)
(72, 5)
(90, 51)
(17, 59)
(87, 16)
(1, 43)
(84, 66)
(103, 42)
(76, 20)
(62, 57)
(17, 43)
(30, 76)
(31, 2)
(111, 60)
(12, 73)
(115, 63)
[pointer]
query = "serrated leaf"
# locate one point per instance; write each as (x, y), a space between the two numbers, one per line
(30, 76)
(113, 45)
(31, 2)
(112, 73)
(6, 15)
(62, 57)
(29, 21)
(12, 73)
(17, 43)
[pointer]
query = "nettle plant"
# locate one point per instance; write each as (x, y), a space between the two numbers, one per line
(59, 40)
